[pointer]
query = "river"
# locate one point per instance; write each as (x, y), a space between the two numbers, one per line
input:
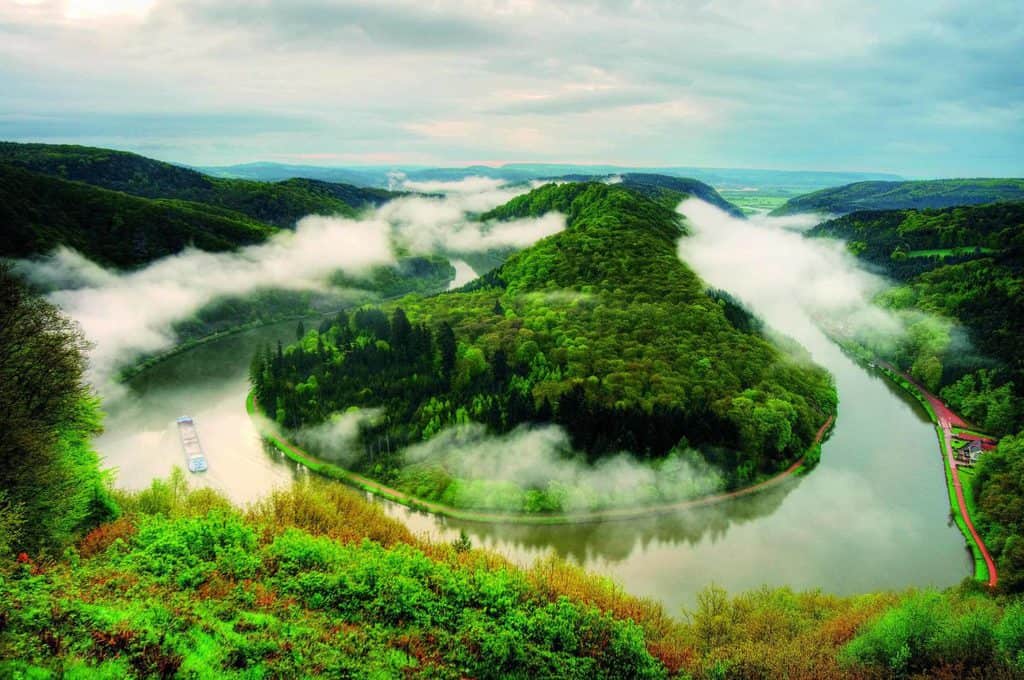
(873, 514)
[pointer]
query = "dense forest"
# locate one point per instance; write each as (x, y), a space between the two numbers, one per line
(51, 488)
(665, 189)
(960, 295)
(40, 212)
(919, 194)
(600, 329)
(279, 204)
(315, 581)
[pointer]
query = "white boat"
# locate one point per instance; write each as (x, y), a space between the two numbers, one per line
(194, 457)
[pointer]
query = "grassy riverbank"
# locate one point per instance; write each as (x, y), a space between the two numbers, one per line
(332, 471)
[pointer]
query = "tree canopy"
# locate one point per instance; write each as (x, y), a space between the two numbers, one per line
(600, 329)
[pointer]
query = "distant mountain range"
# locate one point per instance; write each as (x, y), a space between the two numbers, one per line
(124, 210)
(937, 193)
(279, 204)
(794, 181)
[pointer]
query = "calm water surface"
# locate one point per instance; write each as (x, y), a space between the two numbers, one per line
(873, 514)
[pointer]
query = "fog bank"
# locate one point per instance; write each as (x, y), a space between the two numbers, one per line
(130, 314)
(784, 277)
(542, 458)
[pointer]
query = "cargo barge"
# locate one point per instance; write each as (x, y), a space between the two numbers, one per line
(194, 456)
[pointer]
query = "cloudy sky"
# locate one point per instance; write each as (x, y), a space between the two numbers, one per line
(917, 87)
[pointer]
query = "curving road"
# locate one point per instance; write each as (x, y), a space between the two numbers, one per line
(947, 420)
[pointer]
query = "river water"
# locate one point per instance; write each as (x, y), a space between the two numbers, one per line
(872, 515)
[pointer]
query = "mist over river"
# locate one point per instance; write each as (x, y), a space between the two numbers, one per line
(873, 515)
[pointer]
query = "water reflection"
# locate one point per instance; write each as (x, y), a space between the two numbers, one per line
(873, 514)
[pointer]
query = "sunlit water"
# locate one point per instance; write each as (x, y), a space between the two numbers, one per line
(872, 515)
(463, 274)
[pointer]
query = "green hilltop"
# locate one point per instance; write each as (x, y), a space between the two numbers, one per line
(600, 328)
(920, 194)
(40, 212)
(276, 203)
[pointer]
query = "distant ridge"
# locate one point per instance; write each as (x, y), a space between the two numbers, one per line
(279, 204)
(936, 193)
(795, 181)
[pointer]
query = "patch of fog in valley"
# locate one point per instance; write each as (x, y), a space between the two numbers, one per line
(130, 314)
(785, 278)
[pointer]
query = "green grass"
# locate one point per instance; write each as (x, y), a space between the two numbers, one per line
(754, 202)
(965, 430)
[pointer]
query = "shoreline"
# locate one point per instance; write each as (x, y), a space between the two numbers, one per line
(129, 372)
(332, 471)
(985, 570)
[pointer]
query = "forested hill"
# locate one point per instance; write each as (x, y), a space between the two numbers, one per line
(39, 213)
(909, 242)
(276, 203)
(669, 190)
(938, 193)
(600, 328)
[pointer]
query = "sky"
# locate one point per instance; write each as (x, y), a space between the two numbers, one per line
(922, 88)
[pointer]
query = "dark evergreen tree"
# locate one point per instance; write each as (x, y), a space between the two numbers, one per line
(447, 347)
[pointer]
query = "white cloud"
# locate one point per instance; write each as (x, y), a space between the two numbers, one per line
(130, 314)
(783, 276)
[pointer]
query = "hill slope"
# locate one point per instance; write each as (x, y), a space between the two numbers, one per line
(668, 190)
(600, 328)
(939, 193)
(39, 212)
(280, 203)
(905, 243)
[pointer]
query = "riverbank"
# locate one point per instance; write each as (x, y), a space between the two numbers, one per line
(961, 503)
(129, 372)
(332, 471)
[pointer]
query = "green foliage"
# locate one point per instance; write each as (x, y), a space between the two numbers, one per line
(875, 195)
(215, 595)
(978, 398)
(276, 203)
(50, 480)
(187, 551)
(930, 630)
(907, 243)
(40, 213)
(999, 493)
(600, 329)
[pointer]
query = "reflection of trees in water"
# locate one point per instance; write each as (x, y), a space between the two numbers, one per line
(299, 472)
(616, 541)
(209, 364)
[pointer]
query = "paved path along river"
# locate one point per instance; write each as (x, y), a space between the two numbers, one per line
(947, 420)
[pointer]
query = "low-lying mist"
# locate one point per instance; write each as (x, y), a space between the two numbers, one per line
(784, 277)
(130, 314)
(541, 458)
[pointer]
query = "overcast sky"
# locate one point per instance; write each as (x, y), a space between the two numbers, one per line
(920, 88)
